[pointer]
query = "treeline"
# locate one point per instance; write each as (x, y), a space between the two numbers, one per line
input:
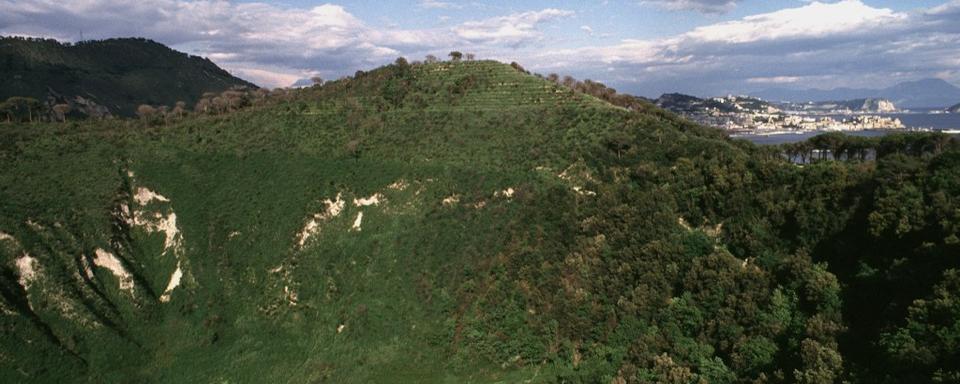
(19, 109)
(212, 103)
(600, 91)
(23, 109)
(839, 146)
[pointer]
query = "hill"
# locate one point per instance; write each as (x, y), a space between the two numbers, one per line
(111, 76)
(954, 109)
(856, 105)
(468, 222)
(681, 103)
(926, 93)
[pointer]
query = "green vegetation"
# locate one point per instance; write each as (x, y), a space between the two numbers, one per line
(838, 146)
(104, 77)
(468, 222)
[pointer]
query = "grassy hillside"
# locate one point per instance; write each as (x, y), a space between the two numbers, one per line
(464, 222)
(119, 74)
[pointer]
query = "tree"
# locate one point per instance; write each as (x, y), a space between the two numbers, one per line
(7, 110)
(24, 107)
(928, 345)
(353, 148)
(219, 104)
(456, 56)
(146, 112)
(163, 112)
(179, 109)
(471, 57)
(316, 80)
(618, 143)
(203, 106)
(821, 364)
(430, 59)
(402, 66)
(61, 111)
(235, 99)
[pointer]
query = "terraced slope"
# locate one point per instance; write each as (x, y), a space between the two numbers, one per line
(447, 222)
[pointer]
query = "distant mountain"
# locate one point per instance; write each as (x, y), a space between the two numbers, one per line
(856, 105)
(108, 76)
(954, 109)
(914, 94)
(680, 103)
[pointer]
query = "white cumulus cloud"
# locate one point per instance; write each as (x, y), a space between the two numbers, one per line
(704, 6)
(511, 29)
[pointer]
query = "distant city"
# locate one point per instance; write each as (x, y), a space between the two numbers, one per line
(746, 115)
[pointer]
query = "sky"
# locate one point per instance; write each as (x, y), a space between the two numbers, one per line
(642, 47)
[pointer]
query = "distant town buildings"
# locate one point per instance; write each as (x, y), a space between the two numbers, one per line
(748, 115)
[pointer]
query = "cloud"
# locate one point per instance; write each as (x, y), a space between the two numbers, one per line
(276, 77)
(826, 45)
(270, 44)
(435, 4)
(703, 6)
(511, 29)
(774, 80)
(813, 20)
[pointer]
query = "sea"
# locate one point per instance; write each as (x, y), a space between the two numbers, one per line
(914, 119)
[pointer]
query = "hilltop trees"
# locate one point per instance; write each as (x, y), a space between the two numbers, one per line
(22, 109)
(203, 106)
(179, 109)
(7, 109)
(146, 112)
(598, 90)
(402, 64)
(60, 111)
(456, 56)
(210, 103)
(234, 99)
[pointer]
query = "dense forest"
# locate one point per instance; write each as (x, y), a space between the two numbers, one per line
(45, 79)
(467, 221)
